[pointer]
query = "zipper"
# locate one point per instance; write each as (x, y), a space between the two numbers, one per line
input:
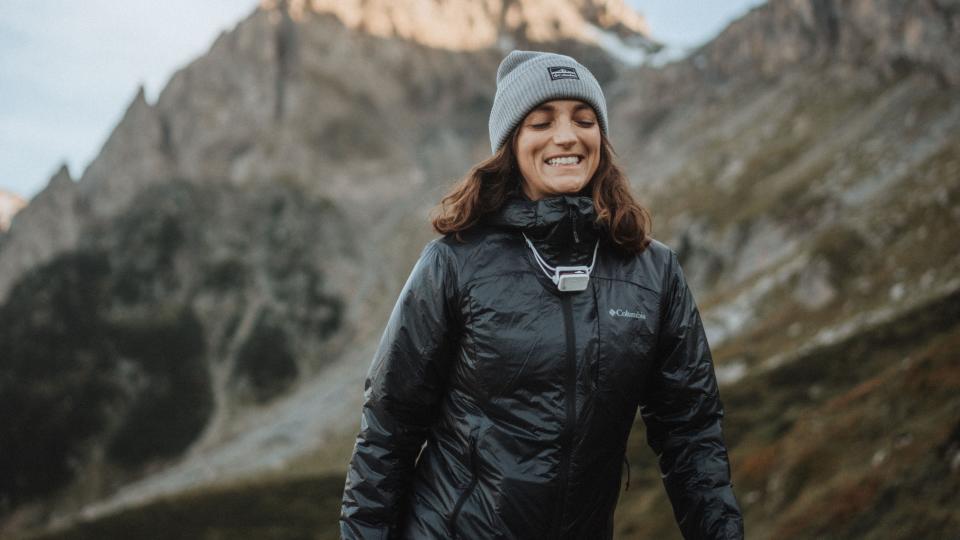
(474, 477)
(573, 218)
(570, 398)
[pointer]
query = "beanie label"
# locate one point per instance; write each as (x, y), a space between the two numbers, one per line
(559, 72)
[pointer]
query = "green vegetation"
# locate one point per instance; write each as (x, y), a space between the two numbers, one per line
(104, 353)
(72, 374)
(226, 275)
(854, 440)
(858, 439)
(291, 508)
(170, 411)
(55, 383)
(266, 361)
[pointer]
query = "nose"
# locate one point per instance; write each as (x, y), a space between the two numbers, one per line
(564, 134)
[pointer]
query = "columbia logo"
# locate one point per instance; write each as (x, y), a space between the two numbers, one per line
(628, 314)
(559, 72)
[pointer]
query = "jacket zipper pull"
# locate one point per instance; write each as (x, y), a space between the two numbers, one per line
(627, 487)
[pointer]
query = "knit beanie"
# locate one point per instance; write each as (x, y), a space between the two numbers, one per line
(526, 79)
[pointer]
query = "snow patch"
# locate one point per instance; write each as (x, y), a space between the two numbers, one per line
(615, 46)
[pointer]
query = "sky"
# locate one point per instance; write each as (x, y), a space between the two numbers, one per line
(68, 69)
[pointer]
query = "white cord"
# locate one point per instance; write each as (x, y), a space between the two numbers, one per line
(553, 273)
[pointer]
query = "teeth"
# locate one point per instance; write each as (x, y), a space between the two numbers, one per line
(566, 160)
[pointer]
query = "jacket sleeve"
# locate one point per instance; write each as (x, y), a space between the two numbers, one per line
(682, 412)
(402, 391)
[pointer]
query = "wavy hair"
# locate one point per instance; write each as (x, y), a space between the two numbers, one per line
(484, 189)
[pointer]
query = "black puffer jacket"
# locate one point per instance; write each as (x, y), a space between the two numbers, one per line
(525, 395)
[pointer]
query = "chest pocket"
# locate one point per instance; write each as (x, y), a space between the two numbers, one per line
(627, 327)
(514, 338)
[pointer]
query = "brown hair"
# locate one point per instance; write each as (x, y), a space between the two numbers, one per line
(485, 188)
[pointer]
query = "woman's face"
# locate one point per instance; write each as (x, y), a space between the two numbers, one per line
(558, 148)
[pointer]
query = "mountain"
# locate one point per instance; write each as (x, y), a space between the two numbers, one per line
(284, 96)
(804, 164)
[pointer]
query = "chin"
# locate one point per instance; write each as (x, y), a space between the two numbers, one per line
(569, 187)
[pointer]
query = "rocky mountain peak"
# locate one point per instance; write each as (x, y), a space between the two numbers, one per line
(491, 23)
(61, 179)
(135, 154)
(50, 224)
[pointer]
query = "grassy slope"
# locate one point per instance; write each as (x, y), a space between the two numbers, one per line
(851, 441)
(857, 439)
(291, 508)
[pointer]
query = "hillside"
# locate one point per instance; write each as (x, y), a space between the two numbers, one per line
(812, 190)
(805, 164)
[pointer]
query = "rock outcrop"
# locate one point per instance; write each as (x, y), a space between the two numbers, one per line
(139, 152)
(49, 225)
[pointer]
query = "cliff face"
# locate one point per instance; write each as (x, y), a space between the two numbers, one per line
(876, 37)
(804, 164)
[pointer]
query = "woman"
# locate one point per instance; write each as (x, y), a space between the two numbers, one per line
(505, 385)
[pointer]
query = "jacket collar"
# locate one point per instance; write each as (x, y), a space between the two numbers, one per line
(563, 228)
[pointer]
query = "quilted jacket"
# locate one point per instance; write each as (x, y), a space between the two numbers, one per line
(497, 406)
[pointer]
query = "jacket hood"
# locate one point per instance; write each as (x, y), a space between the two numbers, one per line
(563, 228)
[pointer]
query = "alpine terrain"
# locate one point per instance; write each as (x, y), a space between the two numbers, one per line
(185, 328)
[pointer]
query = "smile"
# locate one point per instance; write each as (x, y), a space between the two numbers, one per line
(563, 160)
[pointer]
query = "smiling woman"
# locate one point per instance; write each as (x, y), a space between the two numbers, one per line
(558, 148)
(501, 397)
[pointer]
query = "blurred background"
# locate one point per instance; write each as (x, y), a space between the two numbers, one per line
(208, 209)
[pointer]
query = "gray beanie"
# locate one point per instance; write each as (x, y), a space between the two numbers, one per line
(526, 79)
